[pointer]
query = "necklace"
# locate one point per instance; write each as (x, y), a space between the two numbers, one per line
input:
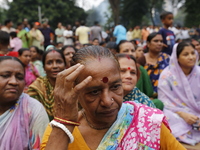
(93, 127)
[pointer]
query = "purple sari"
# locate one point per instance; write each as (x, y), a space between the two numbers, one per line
(179, 92)
(23, 125)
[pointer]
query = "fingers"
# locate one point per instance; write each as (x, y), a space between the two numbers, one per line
(68, 71)
(81, 85)
(72, 77)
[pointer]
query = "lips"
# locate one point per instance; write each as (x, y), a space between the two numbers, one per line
(12, 90)
(127, 82)
(55, 72)
(109, 113)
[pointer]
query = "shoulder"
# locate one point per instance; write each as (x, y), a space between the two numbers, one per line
(38, 83)
(33, 105)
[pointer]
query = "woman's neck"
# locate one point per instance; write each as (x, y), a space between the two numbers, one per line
(52, 81)
(153, 55)
(186, 71)
(5, 107)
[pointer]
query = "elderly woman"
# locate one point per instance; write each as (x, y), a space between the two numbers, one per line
(22, 119)
(178, 88)
(42, 88)
(130, 74)
(105, 122)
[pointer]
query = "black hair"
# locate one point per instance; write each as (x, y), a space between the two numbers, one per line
(82, 22)
(47, 52)
(36, 48)
(95, 39)
(118, 56)
(152, 35)
(133, 41)
(2, 58)
(121, 42)
(96, 23)
(7, 21)
(164, 14)
(102, 43)
(87, 44)
(180, 47)
(13, 34)
(111, 45)
(19, 24)
(22, 50)
(4, 38)
(66, 46)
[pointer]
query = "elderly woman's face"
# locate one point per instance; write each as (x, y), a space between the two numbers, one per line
(103, 96)
(12, 81)
(128, 74)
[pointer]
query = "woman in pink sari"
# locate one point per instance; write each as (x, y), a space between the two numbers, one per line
(178, 88)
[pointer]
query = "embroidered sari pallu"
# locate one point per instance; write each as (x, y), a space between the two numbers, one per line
(137, 127)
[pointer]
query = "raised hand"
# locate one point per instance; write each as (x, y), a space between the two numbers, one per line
(66, 92)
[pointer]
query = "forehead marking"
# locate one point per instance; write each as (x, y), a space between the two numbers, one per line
(128, 57)
(129, 68)
(104, 79)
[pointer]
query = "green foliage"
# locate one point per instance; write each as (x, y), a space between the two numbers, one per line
(193, 13)
(55, 11)
(134, 12)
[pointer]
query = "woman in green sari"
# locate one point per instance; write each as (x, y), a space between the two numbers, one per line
(42, 88)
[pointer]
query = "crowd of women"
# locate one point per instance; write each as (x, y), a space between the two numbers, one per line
(100, 97)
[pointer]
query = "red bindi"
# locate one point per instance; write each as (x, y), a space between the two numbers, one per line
(105, 79)
(129, 68)
(128, 56)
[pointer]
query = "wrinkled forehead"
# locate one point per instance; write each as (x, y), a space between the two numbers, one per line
(100, 69)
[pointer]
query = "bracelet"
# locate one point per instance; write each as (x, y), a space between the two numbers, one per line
(61, 126)
(68, 122)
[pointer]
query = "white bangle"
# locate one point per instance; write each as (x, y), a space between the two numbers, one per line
(61, 126)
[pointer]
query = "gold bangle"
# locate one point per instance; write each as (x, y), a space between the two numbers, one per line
(68, 121)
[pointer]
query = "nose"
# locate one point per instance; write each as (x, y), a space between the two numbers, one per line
(71, 55)
(128, 74)
(13, 80)
(55, 65)
(106, 100)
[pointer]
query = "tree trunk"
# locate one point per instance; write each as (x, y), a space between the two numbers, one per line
(115, 9)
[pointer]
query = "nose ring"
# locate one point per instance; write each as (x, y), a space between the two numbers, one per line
(112, 99)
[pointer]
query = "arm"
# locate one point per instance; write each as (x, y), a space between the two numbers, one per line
(66, 104)
(168, 141)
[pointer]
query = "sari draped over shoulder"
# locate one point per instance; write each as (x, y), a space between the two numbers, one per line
(23, 125)
(42, 90)
(180, 93)
(139, 97)
(140, 129)
(137, 127)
